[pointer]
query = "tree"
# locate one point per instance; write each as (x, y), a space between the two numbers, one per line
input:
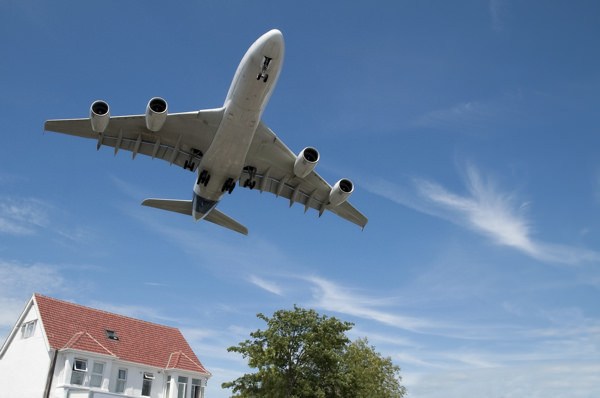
(302, 354)
(370, 374)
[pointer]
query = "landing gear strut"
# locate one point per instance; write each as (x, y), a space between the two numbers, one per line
(263, 73)
(250, 182)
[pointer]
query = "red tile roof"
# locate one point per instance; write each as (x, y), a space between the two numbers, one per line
(73, 326)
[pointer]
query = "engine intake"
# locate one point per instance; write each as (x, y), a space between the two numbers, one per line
(156, 114)
(306, 161)
(99, 116)
(340, 192)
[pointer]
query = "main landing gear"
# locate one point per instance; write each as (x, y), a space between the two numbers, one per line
(203, 178)
(263, 73)
(190, 164)
(250, 182)
(228, 185)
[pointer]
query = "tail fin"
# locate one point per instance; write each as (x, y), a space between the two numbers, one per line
(185, 207)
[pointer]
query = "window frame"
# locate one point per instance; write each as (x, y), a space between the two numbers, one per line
(93, 373)
(147, 379)
(28, 329)
(121, 382)
(78, 371)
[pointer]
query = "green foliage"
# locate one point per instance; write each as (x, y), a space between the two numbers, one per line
(370, 374)
(302, 354)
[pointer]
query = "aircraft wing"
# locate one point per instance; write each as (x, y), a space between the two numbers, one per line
(274, 162)
(181, 141)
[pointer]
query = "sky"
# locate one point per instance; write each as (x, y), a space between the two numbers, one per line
(469, 129)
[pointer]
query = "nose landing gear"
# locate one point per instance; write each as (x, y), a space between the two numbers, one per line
(263, 73)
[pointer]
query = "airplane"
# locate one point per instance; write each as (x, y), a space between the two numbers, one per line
(223, 146)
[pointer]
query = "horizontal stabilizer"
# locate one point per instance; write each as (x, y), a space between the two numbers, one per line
(185, 207)
(177, 206)
(215, 216)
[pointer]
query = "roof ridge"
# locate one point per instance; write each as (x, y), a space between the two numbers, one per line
(103, 311)
(72, 340)
(180, 354)
(77, 336)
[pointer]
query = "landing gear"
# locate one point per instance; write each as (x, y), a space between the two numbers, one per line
(190, 165)
(263, 73)
(228, 185)
(262, 76)
(203, 178)
(250, 182)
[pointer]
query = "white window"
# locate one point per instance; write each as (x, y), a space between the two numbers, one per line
(168, 390)
(79, 370)
(28, 329)
(196, 388)
(181, 386)
(97, 374)
(121, 380)
(147, 384)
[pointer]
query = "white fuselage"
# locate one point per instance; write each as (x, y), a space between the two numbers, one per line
(245, 102)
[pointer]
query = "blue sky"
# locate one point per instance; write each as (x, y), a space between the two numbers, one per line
(469, 128)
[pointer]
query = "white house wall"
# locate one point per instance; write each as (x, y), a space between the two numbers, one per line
(25, 363)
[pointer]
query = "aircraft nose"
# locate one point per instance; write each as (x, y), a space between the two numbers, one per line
(273, 43)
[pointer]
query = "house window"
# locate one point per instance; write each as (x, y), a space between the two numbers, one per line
(27, 329)
(121, 380)
(97, 374)
(181, 386)
(168, 390)
(147, 384)
(196, 388)
(78, 373)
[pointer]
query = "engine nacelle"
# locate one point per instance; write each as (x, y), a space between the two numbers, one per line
(156, 114)
(99, 116)
(306, 161)
(340, 192)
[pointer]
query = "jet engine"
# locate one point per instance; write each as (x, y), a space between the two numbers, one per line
(99, 116)
(306, 161)
(156, 113)
(340, 192)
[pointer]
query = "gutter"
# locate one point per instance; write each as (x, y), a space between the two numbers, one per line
(50, 375)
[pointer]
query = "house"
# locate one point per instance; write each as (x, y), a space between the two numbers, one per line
(59, 349)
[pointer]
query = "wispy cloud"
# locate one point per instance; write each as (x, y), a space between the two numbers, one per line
(266, 285)
(498, 10)
(486, 210)
(467, 115)
(333, 297)
(18, 282)
(22, 216)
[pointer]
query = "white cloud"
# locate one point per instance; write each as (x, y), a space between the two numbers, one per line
(18, 282)
(266, 285)
(335, 298)
(498, 14)
(469, 115)
(22, 216)
(572, 380)
(485, 210)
